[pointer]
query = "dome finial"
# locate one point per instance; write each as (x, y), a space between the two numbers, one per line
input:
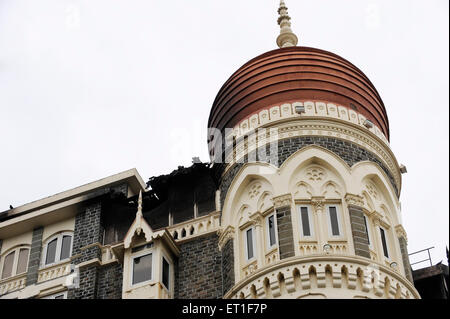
(287, 38)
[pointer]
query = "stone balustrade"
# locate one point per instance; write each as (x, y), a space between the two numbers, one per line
(54, 271)
(195, 227)
(12, 284)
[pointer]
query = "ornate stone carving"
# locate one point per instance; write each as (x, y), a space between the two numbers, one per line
(283, 200)
(352, 199)
(372, 190)
(225, 236)
(318, 203)
(315, 174)
(400, 231)
(376, 218)
(256, 219)
(255, 189)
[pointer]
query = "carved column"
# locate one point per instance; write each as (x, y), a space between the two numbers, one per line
(318, 204)
(283, 206)
(257, 221)
(359, 231)
(403, 241)
(376, 222)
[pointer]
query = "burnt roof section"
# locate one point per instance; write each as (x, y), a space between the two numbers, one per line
(160, 185)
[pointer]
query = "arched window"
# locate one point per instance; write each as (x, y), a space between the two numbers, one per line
(15, 262)
(57, 248)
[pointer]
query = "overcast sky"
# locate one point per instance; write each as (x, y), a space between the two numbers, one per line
(92, 88)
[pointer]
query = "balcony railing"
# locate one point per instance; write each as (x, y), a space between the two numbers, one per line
(11, 284)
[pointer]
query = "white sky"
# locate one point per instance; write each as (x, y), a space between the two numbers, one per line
(92, 88)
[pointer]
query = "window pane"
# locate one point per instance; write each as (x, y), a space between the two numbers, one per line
(383, 240)
(51, 251)
(65, 247)
(250, 244)
(334, 221)
(367, 230)
(142, 268)
(23, 261)
(305, 221)
(8, 265)
(272, 239)
(165, 273)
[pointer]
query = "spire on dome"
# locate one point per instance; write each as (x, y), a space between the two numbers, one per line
(287, 38)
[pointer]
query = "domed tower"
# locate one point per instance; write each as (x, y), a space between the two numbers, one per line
(309, 186)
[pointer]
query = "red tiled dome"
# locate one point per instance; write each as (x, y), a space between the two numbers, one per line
(296, 74)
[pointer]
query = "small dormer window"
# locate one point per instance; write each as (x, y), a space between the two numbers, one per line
(142, 268)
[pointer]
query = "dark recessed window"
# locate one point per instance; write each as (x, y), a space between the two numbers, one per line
(304, 216)
(334, 221)
(249, 236)
(271, 229)
(367, 230)
(384, 242)
(142, 268)
(165, 273)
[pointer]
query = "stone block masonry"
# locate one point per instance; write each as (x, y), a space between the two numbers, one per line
(35, 256)
(88, 231)
(359, 231)
(109, 285)
(228, 266)
(285, 232)
(199, 270)
(405, 258)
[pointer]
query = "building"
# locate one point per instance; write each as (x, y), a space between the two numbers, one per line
(300, 200)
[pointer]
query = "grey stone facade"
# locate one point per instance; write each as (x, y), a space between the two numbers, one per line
(359, 231)
(228, 276)
(88, 235)
(35, 256)
(199, 269)
(285, 232)
(109, 285)
(405, 258)
(347, 151)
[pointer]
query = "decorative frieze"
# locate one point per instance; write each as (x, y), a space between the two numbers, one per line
(401, 232)
(318, 203)
(352, 199)
(225, 235)
(283, 200)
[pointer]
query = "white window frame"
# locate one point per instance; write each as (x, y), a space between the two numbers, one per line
(310, 219)
(387, 243)
(59, 237)
(368, 228)
(169, 261)
(339, 220)
(268, 231)
(141, 253)
(15, 261)
(253, 242)
(63, 293)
